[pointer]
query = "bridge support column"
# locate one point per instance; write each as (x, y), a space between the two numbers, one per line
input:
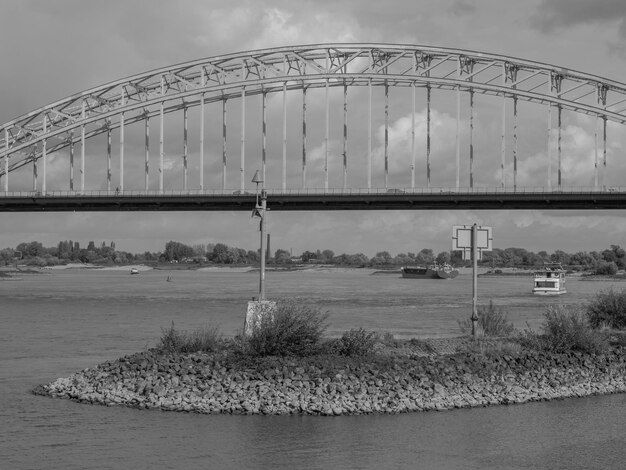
(34, 169)
(121, 183)
(369, 135)
(284, 174)
(82, 150)
(515, 143)
(161, 136)
(428, 135)
(558, 148)
(147, 155)
(595, 163)
(242, 164)
(6, 160)
(71, 162)
(413, 135)
(326, 133)
(386, 134)
(202, 84)
(223, 145)
(303, 137)
(108, 123)
(503, 142)
(604, 151)
(345, 136)
(458, 135)
(471, 138)
(185, 148)
(44, 154)
(549, 178)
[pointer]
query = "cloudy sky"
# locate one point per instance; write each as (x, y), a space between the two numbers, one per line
(54, 48)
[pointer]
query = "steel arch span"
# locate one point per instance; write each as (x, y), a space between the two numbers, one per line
(74, 122)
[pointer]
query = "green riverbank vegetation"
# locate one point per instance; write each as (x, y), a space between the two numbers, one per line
(177, 254)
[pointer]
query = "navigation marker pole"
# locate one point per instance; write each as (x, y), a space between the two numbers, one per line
(474, 316)
(257, 308)
(259, 211)
(472, 241)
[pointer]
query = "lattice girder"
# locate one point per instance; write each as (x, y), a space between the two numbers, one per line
(140, 97)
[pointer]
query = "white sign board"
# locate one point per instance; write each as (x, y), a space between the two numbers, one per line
(462, 240)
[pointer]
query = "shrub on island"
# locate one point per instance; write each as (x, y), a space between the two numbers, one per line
(357, 342)
(608, 309)
(492, 321)
(295, 329)
(207, 339)
(292, 328)
(565, 329)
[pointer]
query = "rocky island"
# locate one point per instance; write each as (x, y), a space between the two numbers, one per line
(437, 374)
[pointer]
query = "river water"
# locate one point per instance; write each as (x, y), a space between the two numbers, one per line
(58, 323)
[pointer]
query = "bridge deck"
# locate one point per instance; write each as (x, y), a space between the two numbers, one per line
(310, 200)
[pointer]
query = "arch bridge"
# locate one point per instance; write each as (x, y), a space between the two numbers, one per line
(190, 136)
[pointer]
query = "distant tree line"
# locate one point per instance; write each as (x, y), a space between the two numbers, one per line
(608, 261)
(67, 251)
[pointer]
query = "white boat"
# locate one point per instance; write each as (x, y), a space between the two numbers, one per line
(550, 281)
(134, 271)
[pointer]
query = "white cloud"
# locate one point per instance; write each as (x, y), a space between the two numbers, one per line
(400, 140)
(129, 38)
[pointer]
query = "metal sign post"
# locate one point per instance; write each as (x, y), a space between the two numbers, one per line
(474, 316)
(472, 241)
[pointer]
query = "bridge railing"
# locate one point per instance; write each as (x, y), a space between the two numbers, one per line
(312, 192)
